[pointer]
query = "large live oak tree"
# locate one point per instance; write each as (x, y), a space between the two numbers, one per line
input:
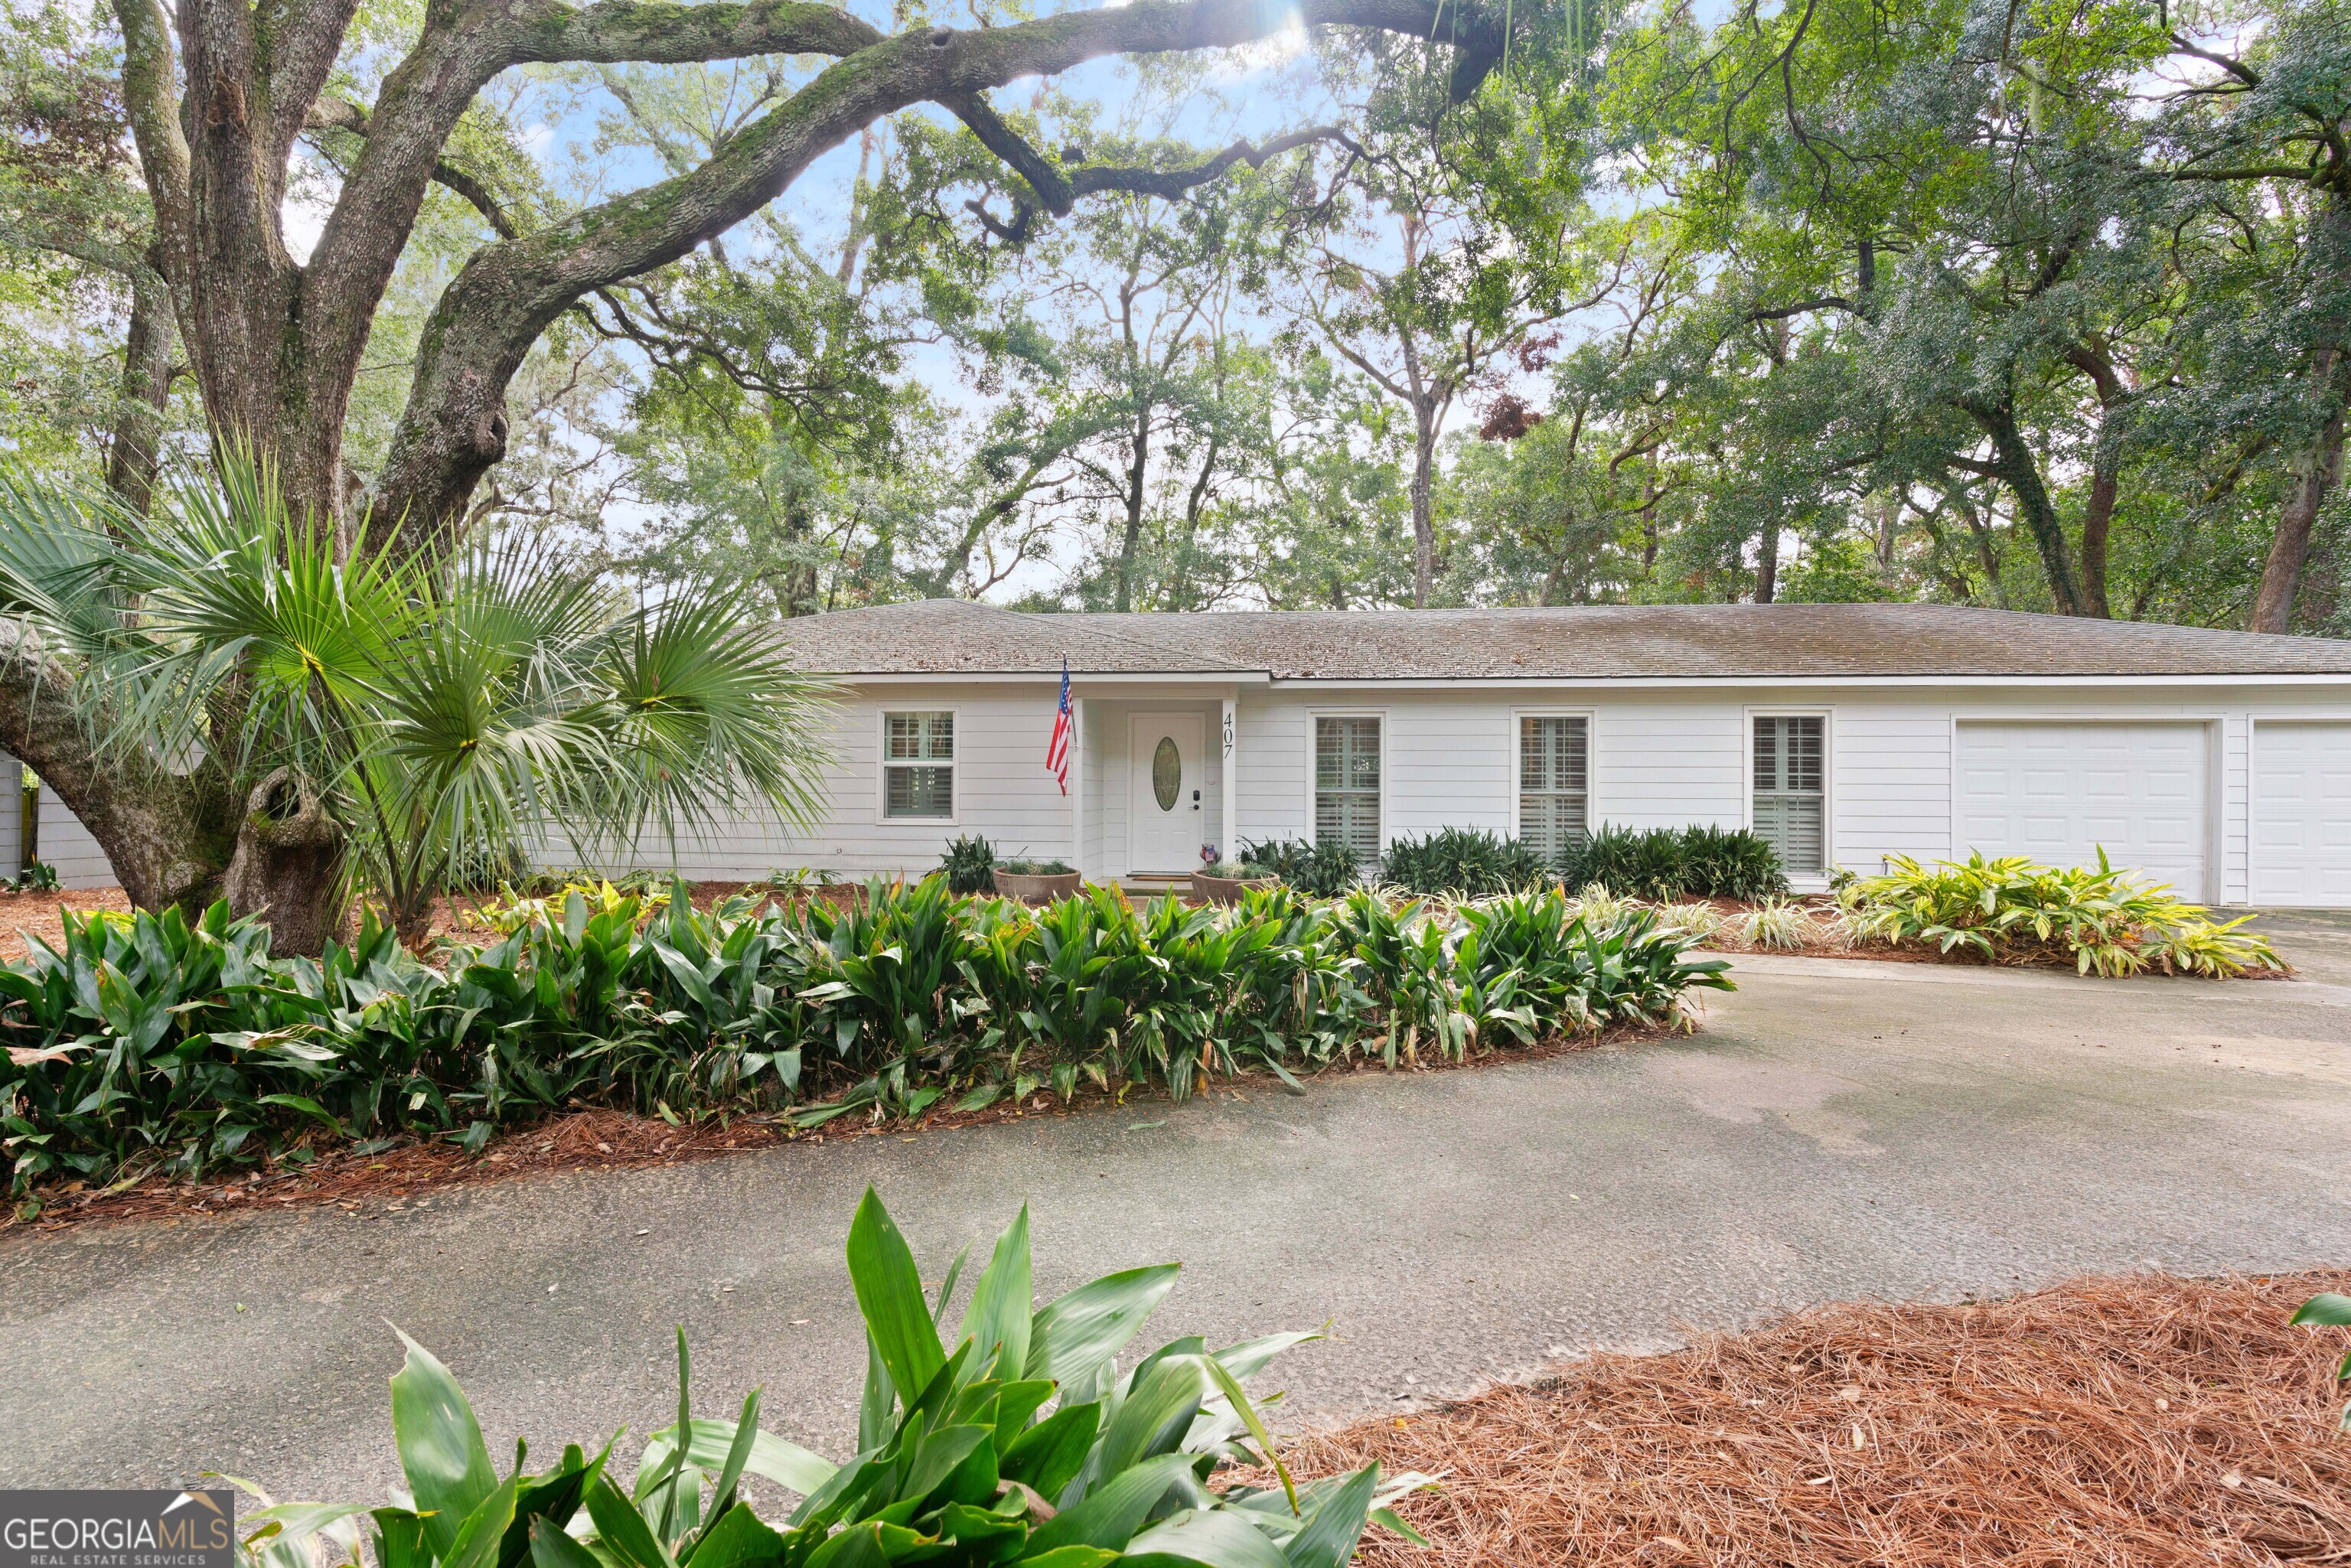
(217, 95)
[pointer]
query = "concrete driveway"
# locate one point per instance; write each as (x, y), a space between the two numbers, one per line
(1839, 1129)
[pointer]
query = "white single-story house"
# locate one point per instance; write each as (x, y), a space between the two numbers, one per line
(2217, 761)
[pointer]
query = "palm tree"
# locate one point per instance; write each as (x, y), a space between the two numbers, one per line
(375, 720)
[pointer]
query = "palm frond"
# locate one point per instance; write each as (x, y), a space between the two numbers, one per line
(710, 717)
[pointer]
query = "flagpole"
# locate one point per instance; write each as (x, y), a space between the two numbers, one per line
(1078, 784)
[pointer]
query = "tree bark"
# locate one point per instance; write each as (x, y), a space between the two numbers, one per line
(1131, 537)
(1424, 515)
(2105, 473)
(289, 867)
(134, 447)
(1424, 406)
(2015, 465)
(2315, 469)
(1766, 565)
(166, 843)
(2097, 523)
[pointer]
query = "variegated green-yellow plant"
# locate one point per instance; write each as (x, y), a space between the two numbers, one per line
(1013, 1440)
(2109, 920)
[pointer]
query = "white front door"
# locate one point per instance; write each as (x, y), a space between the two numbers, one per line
(2060, 792)
(2302, 813)
(1163, 794)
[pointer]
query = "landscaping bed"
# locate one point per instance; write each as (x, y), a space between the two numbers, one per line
(1821, 934)
(2136, 1420)
(2006, 911)
(146, 1046)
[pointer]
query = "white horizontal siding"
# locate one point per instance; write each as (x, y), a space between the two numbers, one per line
(1669, 763)
(1890, 783)
(66, 845)
(1658, 759)
(12, 816)
(1003, 793)
(1270, 767)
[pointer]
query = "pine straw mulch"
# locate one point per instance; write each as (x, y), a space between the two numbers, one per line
(24, 914)
(365, 1185)
(2142, 1419)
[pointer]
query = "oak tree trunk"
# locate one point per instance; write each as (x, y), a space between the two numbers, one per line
(164, 832)
(134, 446)
(288, 866)
(2016, 466)
(2315, 470)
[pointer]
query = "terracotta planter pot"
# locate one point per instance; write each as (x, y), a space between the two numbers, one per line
(1039, 889)
(1227, 889)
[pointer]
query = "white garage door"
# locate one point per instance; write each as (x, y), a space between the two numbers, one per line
(2301, 815)
(2060, 791)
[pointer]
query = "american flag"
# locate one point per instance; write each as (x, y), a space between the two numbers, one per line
(1057, 750)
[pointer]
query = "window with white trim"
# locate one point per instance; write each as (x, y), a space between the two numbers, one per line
(1791, 799)
(1554, 756)
(918, 765)
(1347, 784)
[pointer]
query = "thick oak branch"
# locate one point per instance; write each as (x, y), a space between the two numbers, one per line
(455, 426)
(334, 113)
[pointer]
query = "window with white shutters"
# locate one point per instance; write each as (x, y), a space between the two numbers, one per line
(1791, 799)
(1347, 784)
(1553, 763)
(918, 765)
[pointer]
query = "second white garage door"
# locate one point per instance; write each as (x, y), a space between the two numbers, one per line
(2059, 791)
(2302, 813)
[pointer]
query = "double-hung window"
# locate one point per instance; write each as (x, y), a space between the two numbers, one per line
(1347, 784)
(1791, 799)
(918, 765)
(1555, 760)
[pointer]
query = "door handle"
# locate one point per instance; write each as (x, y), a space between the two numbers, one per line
(1196, 800)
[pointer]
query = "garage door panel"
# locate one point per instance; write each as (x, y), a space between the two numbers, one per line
(2059, 792)
(2302, 813)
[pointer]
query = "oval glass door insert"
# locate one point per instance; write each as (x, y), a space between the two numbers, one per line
(1167, 772)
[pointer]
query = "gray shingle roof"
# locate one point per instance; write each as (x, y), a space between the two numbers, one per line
(944, 636)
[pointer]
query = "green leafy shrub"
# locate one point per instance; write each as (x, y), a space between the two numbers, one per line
(1325, 870)
(1628, 861)
(1730, 862)
(2104, 922)
(1696, 861)
(969, 864)
(1034, 868)
(147, 1043)
(38, 876)
(958, 1461)
(1463, 862)
(799, 881)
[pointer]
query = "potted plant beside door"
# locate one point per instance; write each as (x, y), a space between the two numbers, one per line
(1223, 882)
(1037, 882)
